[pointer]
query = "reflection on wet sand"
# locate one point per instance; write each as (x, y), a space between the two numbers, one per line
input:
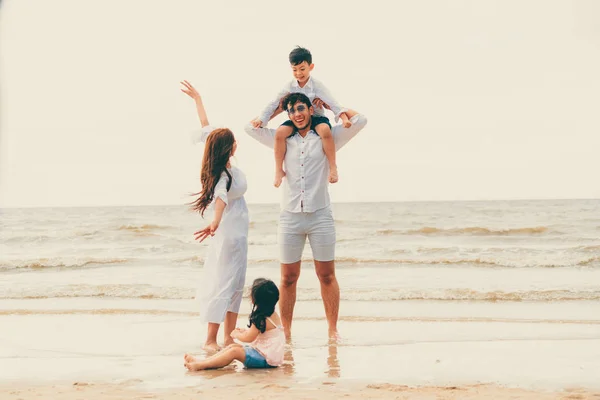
(288, 361)
(232, 368)
(333, 363)
(332, 370)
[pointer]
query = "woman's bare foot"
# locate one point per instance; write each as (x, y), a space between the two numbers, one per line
(189, 358)
(211, 347)
(278, 178)
(333, 175)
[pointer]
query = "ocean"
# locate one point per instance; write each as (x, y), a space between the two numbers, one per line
(118, 283)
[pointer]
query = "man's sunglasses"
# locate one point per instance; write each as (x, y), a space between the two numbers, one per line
(300, 108)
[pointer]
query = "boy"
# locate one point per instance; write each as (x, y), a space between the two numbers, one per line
(301, 63)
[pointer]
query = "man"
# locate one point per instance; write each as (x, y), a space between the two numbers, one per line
(305, 207)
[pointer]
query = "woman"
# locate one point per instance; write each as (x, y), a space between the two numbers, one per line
(223, 186)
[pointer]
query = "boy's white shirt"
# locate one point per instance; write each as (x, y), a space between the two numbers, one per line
(312, 89)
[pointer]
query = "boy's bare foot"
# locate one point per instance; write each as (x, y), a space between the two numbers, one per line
(211, 347)
(333, 175)
(278, 178)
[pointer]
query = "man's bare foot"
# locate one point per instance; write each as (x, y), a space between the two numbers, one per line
(211, 347)
(333, 175)
(334, 337)
(278, 178)
(195, 366)
(228, 342)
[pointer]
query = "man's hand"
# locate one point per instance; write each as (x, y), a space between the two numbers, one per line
(208, 231)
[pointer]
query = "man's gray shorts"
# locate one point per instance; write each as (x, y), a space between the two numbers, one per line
(294, 228)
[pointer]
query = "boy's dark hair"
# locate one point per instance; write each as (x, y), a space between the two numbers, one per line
(293, 98)
(265, 295)
(299, 55)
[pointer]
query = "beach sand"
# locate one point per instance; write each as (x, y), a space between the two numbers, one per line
(245, 388)
(97, 355)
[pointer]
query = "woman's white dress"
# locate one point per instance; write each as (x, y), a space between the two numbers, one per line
(224, 273)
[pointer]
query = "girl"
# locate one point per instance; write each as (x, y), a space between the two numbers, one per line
(265, 335)
(223, 186)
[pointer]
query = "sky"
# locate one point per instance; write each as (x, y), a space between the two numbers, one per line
(466, 100)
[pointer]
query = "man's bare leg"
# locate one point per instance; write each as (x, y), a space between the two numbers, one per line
(330, 292)
(281, 134)
(229, 326)
(287, 297)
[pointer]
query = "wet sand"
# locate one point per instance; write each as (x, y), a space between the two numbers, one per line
(131, 355)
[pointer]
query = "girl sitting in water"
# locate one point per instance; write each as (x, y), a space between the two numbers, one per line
(265, 335)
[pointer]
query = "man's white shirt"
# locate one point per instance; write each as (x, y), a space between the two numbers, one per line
(305, 186)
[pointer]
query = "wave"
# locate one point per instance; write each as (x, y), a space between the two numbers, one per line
(28, 239)
(114, 291)
(263, 240)
(49, 264)
(145, 228)
(593, 249)
(58, 236)
(589, 262)
(345, 318)
(194, 260)
(381, 261)
(89, 234)
(264, 223)
(358, 262)
(456, 295)
(149, 292)
(472, 231)
(471, 262)
(443, 261)
(101, 311)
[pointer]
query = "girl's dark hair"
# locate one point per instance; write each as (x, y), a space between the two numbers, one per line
(217, 151)
(265, 295)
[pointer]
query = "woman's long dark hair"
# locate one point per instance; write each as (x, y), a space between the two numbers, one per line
(217, 152)
(265, 295)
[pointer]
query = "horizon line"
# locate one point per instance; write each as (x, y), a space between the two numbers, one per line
(333, 203)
